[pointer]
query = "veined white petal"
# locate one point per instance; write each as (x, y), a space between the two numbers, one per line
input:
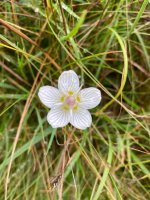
(81, 118)
(89, 97)
(68, 82)
(49, 96)
(57, 117)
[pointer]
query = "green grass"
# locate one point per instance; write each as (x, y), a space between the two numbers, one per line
(107, 43)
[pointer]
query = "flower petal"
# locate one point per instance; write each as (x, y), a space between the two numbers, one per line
(89, 97)
(81, 118)
(68, 82)
(49, 96)
(57, 117)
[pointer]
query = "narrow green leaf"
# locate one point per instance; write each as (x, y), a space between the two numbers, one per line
(77, 27)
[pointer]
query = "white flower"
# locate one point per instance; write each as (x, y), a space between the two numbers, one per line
(69, 103)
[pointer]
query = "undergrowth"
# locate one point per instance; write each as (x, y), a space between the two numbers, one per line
(107, 44)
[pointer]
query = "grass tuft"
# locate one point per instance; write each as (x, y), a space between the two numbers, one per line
(107, 43)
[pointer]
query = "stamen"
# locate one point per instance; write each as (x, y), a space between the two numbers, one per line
(78, 99)
(62, 99)
(65, 107)
(75, 107)
(70, 93)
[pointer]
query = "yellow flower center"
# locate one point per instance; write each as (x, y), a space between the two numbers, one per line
(70, 101)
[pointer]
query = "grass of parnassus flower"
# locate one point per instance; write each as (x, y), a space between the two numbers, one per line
(107, 44)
